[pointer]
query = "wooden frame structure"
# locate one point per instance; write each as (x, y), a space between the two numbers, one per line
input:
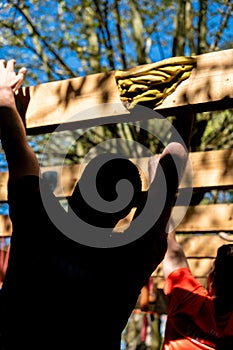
(209, 87)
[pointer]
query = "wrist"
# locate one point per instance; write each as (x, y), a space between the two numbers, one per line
(7, 97)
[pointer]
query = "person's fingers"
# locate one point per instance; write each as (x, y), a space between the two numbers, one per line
(9, 76)
(178, 154)
(152, 167)
(10, 66)
(2, 63)
(22, 72)
(20, 78)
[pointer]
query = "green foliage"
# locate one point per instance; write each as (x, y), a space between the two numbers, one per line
(218, 133)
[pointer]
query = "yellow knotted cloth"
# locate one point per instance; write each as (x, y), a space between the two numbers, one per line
(150, 84)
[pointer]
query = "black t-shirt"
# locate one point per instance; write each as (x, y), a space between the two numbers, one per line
(60, 294)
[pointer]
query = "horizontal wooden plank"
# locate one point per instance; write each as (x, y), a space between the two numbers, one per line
(212, 169)
(94, 99)
(70, 101)
(205, 218)
(5, 226)
(205, 170)
(209, 87)
(201, 218)
(3, 186)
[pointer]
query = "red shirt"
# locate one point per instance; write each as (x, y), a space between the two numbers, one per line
(192, 322)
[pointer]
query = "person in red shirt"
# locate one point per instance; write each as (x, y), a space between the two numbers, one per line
(198, 318)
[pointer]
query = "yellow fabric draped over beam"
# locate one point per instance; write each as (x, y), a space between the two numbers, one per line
(150, 84)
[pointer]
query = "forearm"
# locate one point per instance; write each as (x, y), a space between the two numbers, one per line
(20, 158)
(165, 183)
(13, 132)
(174, 257)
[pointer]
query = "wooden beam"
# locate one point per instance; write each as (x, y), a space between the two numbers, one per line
(3, 186)
(80, 101)
(94, 99)
(210, 170)
(205, 170)
(205, 218)
(5, 226)
(209, 87)
(202, 218)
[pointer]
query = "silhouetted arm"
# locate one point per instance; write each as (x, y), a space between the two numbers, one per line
(20, 157)
(165, 173)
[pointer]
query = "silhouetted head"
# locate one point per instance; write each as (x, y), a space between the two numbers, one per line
(102, 177)
(220, 279)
